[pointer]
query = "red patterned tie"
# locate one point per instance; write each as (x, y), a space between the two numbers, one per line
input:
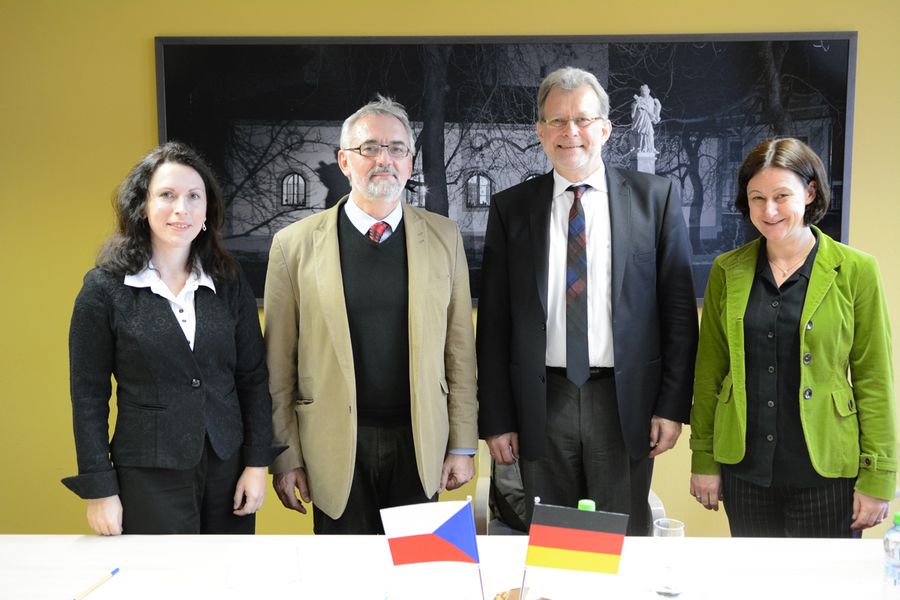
(577, 360)
(377, 230)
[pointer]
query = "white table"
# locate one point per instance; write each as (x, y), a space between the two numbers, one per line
(335, 567)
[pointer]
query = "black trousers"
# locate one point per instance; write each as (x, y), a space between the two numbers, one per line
(815, 512)
(585, 455)
(385, 476)
(188, 501)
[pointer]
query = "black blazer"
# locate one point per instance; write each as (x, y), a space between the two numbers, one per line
(169, 398)
(654, 310)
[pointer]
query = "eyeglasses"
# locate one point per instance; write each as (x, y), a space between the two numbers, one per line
(395, 149)
(580, 122)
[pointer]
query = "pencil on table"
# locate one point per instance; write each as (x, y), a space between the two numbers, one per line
(97, 584)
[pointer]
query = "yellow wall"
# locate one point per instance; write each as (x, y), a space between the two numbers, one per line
(78, 108)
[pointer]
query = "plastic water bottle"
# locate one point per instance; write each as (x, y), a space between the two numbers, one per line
(891, 583)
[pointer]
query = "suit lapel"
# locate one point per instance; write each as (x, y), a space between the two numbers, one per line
(418, 272)
(824, 271)
(740, 271)
(540, 235)
(739, 275)
(619, 193)
(207, 311)
(330, 287)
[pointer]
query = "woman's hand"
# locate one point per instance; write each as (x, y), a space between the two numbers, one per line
(868, 511)
(707, 489)
(250, 491)
(104, 515)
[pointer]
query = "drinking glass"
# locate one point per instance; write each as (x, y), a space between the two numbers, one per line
(668, 551)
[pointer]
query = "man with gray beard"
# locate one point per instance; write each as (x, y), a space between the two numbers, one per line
(370, 344)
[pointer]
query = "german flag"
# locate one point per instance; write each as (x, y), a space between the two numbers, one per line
(578, 540)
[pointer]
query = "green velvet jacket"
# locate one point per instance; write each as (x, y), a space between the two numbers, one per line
(846, 382)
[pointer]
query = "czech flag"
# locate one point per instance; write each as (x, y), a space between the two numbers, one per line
(431, 532)
(578, 540)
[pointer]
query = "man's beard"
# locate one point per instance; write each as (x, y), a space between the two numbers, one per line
(383, 189)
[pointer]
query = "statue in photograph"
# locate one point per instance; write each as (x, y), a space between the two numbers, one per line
(645, 111)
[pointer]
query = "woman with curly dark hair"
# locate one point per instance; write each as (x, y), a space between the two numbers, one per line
(167, 313)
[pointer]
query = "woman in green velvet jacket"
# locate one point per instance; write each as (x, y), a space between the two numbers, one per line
(793, 417)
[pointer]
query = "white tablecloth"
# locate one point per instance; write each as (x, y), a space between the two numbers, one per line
(336, 567)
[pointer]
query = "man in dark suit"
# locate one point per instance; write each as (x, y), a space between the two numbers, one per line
(587, 322)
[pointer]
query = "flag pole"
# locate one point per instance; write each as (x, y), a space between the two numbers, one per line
(480, 579)
(481, 582)
(537, 500)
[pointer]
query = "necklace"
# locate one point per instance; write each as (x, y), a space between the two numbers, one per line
(785, 271)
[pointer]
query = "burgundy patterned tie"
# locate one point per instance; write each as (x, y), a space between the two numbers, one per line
(578, 368)
(377, 230)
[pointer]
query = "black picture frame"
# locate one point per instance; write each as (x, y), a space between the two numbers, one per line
(267, 111)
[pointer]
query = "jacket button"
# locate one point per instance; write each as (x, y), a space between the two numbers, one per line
(771, 369)
(868, 461)
(770, 437)
(770, 403)
(775, 303)
(807, 393)
(807, 358)
(195, 383)
(809, 325)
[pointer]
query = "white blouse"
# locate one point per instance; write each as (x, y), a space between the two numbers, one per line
(182, 305)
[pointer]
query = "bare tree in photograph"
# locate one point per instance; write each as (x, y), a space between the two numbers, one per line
(268, 115)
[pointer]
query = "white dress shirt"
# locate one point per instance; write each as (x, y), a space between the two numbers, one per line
(182, 305)
(363, 221)
(595, 202)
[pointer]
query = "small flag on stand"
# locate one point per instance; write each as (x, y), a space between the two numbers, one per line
(579, 540)
(431, 532)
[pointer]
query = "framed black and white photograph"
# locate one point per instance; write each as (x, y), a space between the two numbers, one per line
(267, 113)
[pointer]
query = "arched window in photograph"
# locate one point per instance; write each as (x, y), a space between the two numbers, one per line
(293, 190)
(478, 190)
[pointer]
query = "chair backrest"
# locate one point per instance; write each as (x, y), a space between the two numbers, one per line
(507, 487)
(657, 510)
(481, 502)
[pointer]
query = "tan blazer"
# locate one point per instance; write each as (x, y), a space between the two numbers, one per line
(310, 357)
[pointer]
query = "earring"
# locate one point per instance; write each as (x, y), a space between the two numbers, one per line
(203, 227)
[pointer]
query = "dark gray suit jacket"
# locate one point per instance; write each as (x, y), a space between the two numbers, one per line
(169, 399)
(654, 309)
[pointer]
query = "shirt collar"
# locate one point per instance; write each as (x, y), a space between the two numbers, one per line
(362, 220)
(597, 180)
(149, 277)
